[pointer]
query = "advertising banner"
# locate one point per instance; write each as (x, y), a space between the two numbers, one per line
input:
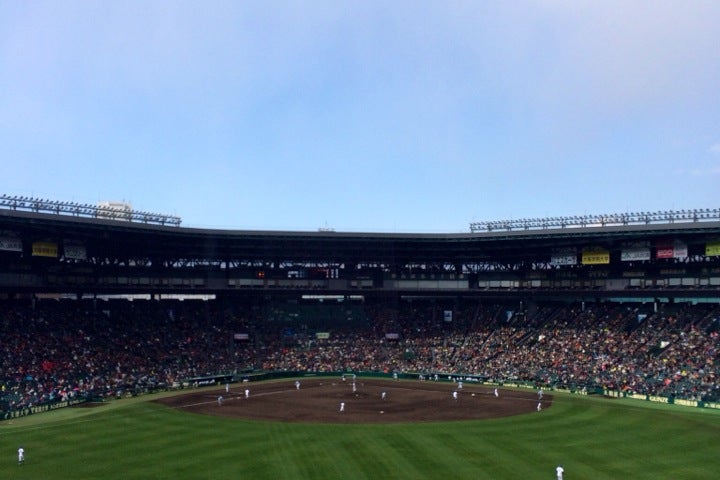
(564, 257)
(10, 244)
(75, 251)
(671, 249)
(595, 256)
(712, 249)
(634, 254)
(664, 249)
(563, 260)
(45, 249)
(680, 249)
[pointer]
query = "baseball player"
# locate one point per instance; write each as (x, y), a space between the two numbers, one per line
(21, 455)
(559, 471)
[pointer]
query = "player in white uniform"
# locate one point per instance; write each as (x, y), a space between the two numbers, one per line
(297, 384)
(539, 406)
(559, 471)
(247, 393)
(454, 394)
(383, 395)
(496, 393)
(21, 455)
(342, 406)
(220, 401)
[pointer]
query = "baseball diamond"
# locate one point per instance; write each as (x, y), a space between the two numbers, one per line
(318, 399)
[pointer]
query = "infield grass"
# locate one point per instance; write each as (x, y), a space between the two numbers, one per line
(594, 438)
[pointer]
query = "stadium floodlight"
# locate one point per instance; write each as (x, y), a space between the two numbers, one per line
(34, 204)
(605, 219)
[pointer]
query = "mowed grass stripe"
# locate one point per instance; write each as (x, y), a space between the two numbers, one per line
(390, 452)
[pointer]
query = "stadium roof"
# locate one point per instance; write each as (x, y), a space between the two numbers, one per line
(125, 239)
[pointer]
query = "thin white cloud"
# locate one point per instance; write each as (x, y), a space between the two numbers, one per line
(700, 171)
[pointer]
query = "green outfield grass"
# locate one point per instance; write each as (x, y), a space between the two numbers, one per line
(594, 438)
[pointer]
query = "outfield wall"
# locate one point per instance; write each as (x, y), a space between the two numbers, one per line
(45, 407)
(221, 379)
(659, 399)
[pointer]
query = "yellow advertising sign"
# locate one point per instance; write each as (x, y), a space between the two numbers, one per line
(712, 249)
(595, 257)
(45, 249)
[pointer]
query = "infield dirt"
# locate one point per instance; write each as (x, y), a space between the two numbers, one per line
(318, 401)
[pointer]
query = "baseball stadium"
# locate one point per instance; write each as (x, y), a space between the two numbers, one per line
(134, 347)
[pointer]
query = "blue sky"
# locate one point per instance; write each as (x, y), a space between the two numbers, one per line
(402, 116)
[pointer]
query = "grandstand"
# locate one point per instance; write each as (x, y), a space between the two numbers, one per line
(98, 307)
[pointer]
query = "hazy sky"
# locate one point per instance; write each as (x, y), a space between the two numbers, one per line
(392, 116)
